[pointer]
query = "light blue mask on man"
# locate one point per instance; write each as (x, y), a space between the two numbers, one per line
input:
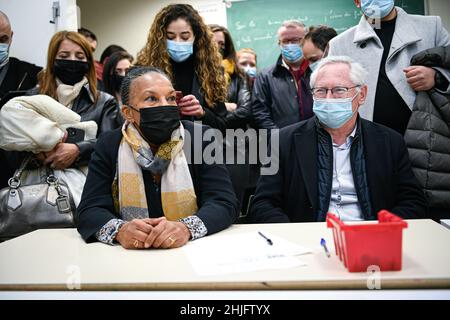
(333, 113)
(180, 51)
(4, 54)
(313, 66)
(292, 52)
(250, 71)
(377, 9)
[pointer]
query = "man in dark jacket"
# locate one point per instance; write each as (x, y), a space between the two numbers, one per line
(14, 74)
(281, 93)
(338, 162)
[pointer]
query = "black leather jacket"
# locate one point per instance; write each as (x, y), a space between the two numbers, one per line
(104, 111)
(239, 93)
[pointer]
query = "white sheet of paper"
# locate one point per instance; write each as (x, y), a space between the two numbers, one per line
(242, 253)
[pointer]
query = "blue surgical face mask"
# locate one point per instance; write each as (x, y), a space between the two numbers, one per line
(250, 71)
(333, 113)
(377, 9)
(313, 66)
(4, 53)
(292, 52)
(180, 51)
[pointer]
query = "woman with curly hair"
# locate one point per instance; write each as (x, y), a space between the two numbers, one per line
(182, 45)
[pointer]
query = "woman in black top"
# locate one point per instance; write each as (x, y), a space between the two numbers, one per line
(70, 79)
(142, 191)
(181, 44)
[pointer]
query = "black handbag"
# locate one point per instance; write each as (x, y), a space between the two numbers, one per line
(44, 204)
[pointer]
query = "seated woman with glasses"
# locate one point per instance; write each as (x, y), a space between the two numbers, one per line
(142, 191)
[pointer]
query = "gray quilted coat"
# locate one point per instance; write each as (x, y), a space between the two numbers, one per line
(428, 133)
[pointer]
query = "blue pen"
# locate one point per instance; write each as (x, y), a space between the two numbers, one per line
(324, 245)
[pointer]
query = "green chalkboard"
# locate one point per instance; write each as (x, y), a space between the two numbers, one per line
(254, 23)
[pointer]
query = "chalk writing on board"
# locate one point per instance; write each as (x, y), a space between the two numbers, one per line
(266, 37)
(239, 26)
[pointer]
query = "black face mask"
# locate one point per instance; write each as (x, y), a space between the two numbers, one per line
(116, 82)
(70, 71)
(158, 123)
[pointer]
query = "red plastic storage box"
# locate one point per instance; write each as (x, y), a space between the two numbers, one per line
(362, 245)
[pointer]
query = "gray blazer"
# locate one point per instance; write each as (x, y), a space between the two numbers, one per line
(413, 33)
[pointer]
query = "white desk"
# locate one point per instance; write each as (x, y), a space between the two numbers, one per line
(446, 223)
(50, 259)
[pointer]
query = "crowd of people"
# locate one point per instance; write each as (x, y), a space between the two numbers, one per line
(343, 109)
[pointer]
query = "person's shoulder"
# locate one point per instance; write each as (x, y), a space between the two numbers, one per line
(297, 128)
(194, 126)
(23, 65)
(104, 96)
(346, 36)
(376, 129)
(423, 18)
(421, 23)
(267, 71)
(109, 140)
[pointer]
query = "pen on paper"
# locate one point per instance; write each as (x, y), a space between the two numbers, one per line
(267, 239)
(324, 245)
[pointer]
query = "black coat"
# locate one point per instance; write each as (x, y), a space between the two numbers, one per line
(428, 136)
(275, 101)
(21, 75)
(187, 81)
(216, 200)
(293, 193)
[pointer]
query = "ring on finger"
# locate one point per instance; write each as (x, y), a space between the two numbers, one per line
(136, 243)
(172, 240)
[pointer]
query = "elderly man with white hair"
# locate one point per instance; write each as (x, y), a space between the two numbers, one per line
(337, 161)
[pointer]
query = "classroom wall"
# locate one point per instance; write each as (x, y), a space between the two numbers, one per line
(114, 21)
(126, 23)
(32, 30)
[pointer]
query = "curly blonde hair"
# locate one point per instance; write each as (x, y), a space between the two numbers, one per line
(209, 61)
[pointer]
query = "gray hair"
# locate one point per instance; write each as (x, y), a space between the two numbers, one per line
(134, 73)
(357, 73)
(292, 24)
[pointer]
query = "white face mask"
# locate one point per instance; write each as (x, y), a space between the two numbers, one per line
(313, 66)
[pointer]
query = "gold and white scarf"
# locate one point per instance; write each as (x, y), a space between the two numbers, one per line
(177, 191)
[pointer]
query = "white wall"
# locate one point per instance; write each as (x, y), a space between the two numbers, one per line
(440, 8)
(32, 29)
(126, 23)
